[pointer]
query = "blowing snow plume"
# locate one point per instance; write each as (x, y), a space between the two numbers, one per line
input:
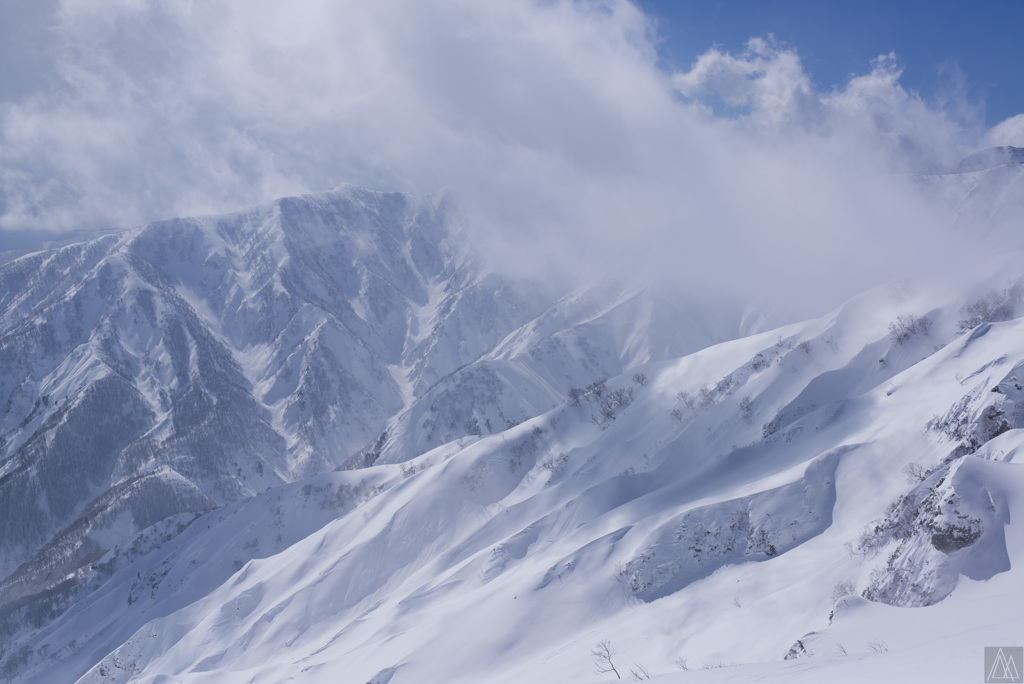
(570, 152)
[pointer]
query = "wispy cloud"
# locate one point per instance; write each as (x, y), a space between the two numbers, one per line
(549, 122)
(1009, 132)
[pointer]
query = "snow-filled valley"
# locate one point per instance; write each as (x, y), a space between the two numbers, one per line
(321, 441)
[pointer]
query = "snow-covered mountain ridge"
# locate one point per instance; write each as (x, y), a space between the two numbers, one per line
(320, 441)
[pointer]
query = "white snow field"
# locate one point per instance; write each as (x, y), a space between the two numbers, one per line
(318, 442)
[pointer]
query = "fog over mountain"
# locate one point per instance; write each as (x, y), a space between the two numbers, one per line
(459, 342)
(565, 144)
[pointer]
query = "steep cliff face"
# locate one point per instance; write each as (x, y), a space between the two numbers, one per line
(191, 363)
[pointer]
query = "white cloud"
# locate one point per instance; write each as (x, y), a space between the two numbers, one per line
(766, 79)
(1009, 132)
(549, 121)
(871, 112)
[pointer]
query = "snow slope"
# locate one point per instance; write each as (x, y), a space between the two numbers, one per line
(720, 534)
(151, 376)
(319, 441)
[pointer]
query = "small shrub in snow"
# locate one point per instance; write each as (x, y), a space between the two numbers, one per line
(610, 405)
(991, 308)
(557, 462)
(906, 327)
(596, 388)
(526, 447)
(760, 541)
(746, 410)
(769, 428)
(639, 672)
(844, 588)
(591, 391)
(473, 427)
(797, 650)
(640, 378)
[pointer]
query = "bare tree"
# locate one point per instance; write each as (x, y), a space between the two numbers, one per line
(844, 588)
(640, 378)
(603, 653)
(915, 473)
(905, 327)
(595, 388)
(575, 394)
(639, 672)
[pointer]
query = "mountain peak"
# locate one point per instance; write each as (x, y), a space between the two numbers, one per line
(990, 158)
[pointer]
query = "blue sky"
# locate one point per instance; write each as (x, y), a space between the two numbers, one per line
(932, 39)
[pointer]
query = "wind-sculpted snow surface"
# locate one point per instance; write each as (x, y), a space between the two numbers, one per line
(756, 527)
(950, 525)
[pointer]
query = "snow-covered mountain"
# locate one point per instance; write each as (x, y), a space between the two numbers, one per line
(322, 441)
(985, 193)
